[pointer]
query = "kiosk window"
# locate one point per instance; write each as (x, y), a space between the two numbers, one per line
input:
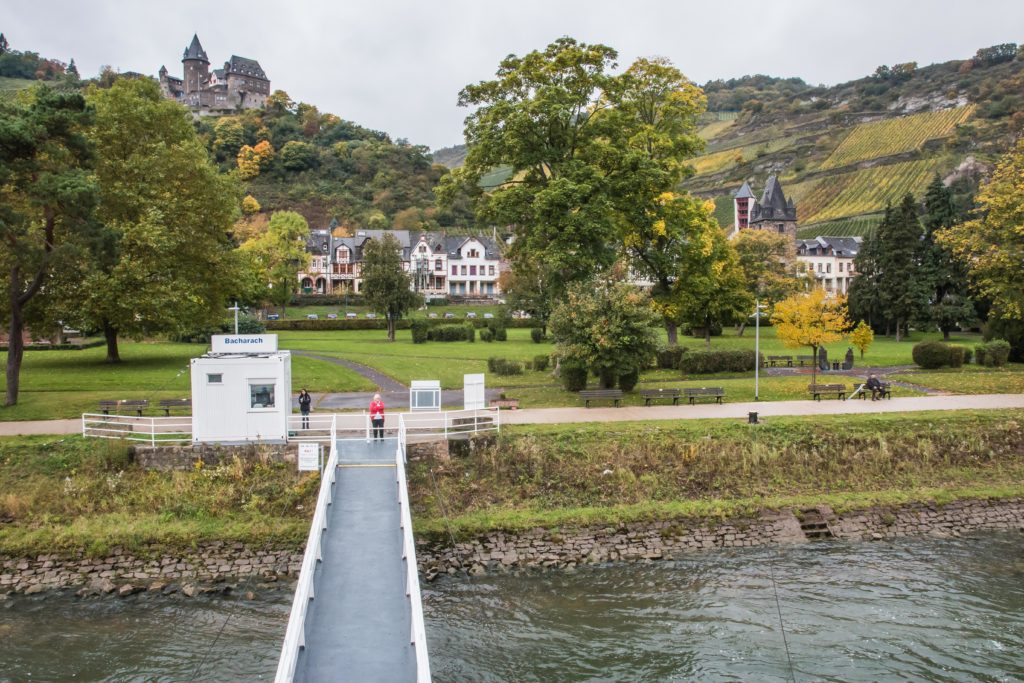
(214, 378)
(261, 394)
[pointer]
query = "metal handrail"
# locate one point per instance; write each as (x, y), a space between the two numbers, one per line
(152, 430)
(417, 631)
(295, 636)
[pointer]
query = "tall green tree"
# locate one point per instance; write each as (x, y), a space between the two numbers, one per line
(950, 305)
(386, 286)
(991, 246)
(606, 327)
(713, 292)
(769, 267)
(905, 287)
(46, 201)
(865, 294)
(279, 255)
(163, 262)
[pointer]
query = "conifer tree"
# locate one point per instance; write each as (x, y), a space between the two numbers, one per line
(4, 47)
(72, 70)
(950, 305)
(904, 286)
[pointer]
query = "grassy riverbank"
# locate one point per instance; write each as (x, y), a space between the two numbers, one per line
(549, 476)
(73, 493)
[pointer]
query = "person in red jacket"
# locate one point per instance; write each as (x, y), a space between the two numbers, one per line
(377, 417)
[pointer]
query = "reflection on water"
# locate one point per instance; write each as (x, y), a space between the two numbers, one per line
(923, 609)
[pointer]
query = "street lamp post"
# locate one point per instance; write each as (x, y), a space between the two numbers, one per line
(757, 349)
(235, 309)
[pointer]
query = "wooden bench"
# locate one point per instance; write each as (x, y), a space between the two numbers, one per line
(649, 395)
(711, 392)
(786, 361)
(589, 395)
(805, 360)
(885, 391)
(505, 403)
(169, 404)
(817, 390)
(138, 405)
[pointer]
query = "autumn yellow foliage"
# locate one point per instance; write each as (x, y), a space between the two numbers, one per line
(811, 319)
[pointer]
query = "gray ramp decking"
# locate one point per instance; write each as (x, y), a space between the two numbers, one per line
(357, 627)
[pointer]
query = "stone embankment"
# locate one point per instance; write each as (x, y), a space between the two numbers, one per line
(209, 567)
(650, 541)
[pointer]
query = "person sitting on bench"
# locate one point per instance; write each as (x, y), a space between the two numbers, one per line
(875, 386)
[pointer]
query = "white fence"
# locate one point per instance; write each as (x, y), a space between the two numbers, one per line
(152, 430)
(418, 633)
(295, 636)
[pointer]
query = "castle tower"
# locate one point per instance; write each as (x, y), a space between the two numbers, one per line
(197, 67)
(774, 212)
(742, 203)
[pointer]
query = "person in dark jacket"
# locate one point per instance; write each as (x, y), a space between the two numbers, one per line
(875, 385)
(305, 400)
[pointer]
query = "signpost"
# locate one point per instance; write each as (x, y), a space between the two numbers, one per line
(309, 457)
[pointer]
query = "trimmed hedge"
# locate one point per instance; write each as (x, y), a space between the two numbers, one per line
(504, 366)
(448, 333)
(709, 362)
(540, 363)
(326, 300)
(420, 332)
(486, 335)
(628, 381)
(574, 377)
(931, 354)
(378, 324)
(668, 358)
(993, 354)
(537, 335)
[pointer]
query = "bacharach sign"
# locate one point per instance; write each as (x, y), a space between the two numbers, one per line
(244, 343)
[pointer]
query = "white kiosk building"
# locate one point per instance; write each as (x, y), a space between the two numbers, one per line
(242, 391)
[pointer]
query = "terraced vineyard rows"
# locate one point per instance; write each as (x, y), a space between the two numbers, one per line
(894, 136)
(848, 227)
(714, 129)
(867, 190)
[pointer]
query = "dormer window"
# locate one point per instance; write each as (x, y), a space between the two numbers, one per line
(423, 249)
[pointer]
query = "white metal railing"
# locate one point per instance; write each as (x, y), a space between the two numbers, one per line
(421, 426)
(417, 631)
(295, 636)
(152, 430)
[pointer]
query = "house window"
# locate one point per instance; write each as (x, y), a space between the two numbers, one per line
(472, 270)
(490, 270)
(423, 249)
(217, 378)
(819, 267)
(828, 267)
(463, 270)
(473, 253)
(455, 270)
(438, 265)
(782, 228)
(261, 394)
(840, 266)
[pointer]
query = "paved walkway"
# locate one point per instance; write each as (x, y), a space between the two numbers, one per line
(680, 412)
(357, 628)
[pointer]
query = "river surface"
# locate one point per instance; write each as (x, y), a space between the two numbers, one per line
(920, 609)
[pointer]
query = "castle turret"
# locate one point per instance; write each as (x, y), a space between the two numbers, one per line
(774, 212)
(742, 202)
(197, 67)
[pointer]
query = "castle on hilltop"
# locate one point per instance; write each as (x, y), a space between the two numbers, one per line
(241, 84)
(774, 212)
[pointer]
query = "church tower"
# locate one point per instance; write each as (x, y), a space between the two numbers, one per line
(742, 203)
(774, 212)
(197, 68)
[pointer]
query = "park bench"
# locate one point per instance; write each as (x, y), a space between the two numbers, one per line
(817, 390)
(138, 405)
(169, 404)
(716, 393)
(649, 395)
(885, 391)
(805, 360)
(505, 403)
(781, 361)
(589, 395)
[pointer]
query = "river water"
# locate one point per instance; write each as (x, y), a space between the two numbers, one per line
(920, 609)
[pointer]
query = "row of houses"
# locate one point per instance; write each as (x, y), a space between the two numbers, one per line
(440, 265)
(459, 266)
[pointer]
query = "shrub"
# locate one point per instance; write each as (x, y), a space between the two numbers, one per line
(956, 356)
(716, 331)
(931, 354)
(540, 363)
(447, 333)
(420, 332)
(668, 357)
(968, 354)
(470, 332)
(504, 366)
(628, 381)
(574, 376)
(500, 334)
(537, 335)
(707, 362)
(997, 352)
(486, 335)
(980, 356)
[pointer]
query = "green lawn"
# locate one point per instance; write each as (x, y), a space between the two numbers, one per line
(969, 379)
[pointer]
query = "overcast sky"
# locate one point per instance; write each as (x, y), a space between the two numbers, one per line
(398, 65)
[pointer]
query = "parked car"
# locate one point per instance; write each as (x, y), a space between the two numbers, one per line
(273, 316)
(431, 315)
(312, 316)
(371, 315)
(350, 316)
(471, 314)
(332, 316)
(488, 315)
(449, 315)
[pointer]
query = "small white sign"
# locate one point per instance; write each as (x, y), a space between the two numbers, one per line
(474, 393)
(309, 457)
(244, 343)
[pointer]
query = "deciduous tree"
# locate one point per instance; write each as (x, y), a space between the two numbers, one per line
(386, 285)
(811, 319)
(769, 267)
(991, 247)
(46, 201)
(862, 336)
(279, 255)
